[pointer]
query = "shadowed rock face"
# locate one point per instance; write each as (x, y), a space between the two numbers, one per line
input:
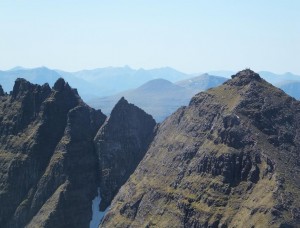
(48, 165)
(1, 91)
(229, 159)
(121, 143)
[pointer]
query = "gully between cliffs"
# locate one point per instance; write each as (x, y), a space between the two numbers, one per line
(51, 163)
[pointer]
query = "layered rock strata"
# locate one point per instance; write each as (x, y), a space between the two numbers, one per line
(229, 159)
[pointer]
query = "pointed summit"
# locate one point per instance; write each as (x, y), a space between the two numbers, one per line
(246, 73)
(21, 85)
(37, 126)
(244, 77)
(228, 159)
(121, 143)
(122, 101)
(59, 84)
(120, 107)
(123, 106)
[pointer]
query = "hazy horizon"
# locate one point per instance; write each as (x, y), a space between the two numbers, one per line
(191, 36)
(142, 68)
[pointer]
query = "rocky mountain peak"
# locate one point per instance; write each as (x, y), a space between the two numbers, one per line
(244, 77)
(51, 163)
(121, 104)
(23, 87)
(123, 109)
(121, 143)
(120, 109)
(47, 157)
(228, 159)
(60, 85)
(20, 86)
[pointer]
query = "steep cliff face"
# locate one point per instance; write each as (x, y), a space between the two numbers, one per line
(48, 165)
(121, 143)
(1, 91)
(229, 159)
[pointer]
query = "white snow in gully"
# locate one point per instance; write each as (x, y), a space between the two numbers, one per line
(97, 214)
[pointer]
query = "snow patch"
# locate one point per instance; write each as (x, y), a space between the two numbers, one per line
(97, 214)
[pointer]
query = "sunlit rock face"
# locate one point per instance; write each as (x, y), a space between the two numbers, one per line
(228, 159)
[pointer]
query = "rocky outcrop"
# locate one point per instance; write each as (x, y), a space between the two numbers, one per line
(48, 165)
(51, 163)
(1, 91)
(229, 159)
(121, 143)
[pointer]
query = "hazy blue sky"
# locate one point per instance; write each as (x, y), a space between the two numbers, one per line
(189, 35)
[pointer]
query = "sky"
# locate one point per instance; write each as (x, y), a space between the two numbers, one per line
(189, 35)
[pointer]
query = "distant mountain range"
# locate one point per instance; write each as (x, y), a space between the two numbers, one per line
(112, 80)
(288, 82)
(92, 83)
(202, 82)
(160, 97)
(271, 77)
(292, 88)
(158, 91)
(39, 75)
(42, 75)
